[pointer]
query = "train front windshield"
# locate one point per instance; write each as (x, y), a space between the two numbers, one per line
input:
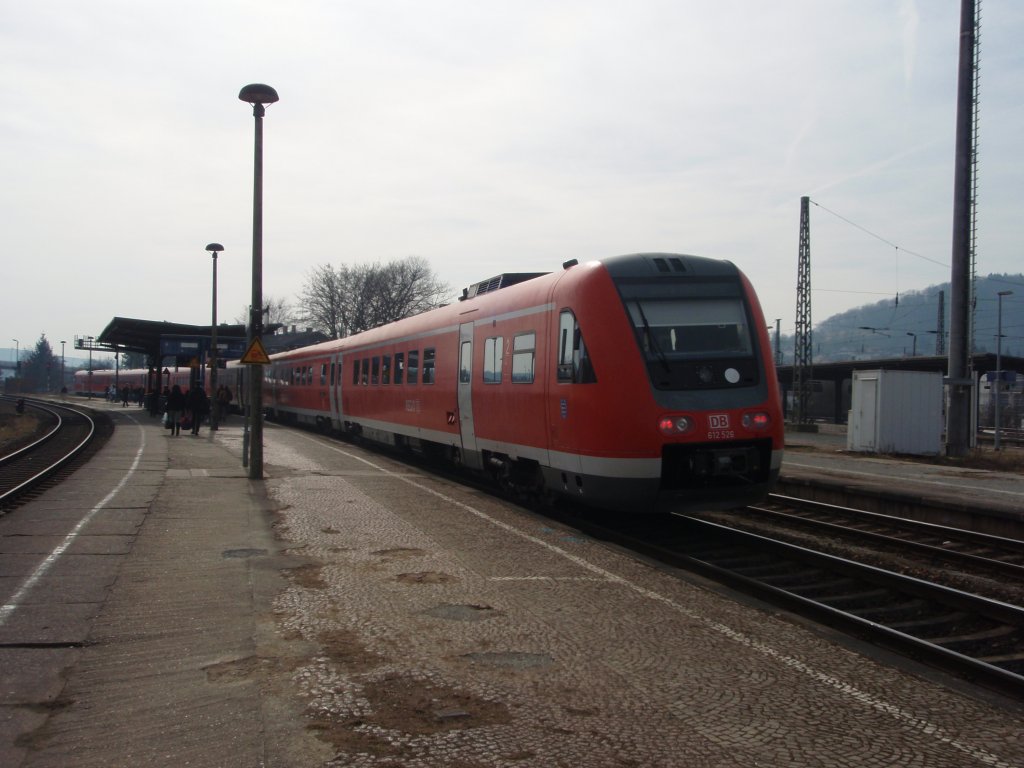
(701, 340)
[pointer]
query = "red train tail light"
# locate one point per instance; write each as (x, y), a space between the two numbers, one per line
(759, 420)
(675, 425)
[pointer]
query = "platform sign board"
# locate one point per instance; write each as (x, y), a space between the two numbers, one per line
(185, 348)
(182, 345)
(255, 354)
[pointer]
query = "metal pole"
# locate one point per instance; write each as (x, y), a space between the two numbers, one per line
(257, 95)
(958, 416)
(997, 388)
(256, 375)
(63, 381)
(215, 409)
(214, 249)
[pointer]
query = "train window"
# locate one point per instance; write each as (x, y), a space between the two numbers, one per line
(466, 363)
(428, 365)
(309, 374)
(355, 372)
(332, 374)
(399, 366)
(375, 371)
(365, 375)
(691, 327)
(492, 359)
(323, 374)
(385, 369)
(523, 348)
(414, 366)
(574, 364)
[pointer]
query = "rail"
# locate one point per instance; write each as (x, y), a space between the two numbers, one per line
(26, 468)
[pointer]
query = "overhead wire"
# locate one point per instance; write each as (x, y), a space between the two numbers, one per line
(878, 237)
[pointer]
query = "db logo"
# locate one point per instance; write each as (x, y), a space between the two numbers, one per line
(718, 421)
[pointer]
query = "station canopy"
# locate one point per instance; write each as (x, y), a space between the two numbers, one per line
(125, 334)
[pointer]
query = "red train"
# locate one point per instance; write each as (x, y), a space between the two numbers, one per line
(100, 379)
(634, 383)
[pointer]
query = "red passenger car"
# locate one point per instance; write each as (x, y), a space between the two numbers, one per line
(635, 383)
(98, 381)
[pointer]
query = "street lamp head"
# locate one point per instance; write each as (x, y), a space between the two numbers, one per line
(258, 94)
(215, 247)
(1005, 293)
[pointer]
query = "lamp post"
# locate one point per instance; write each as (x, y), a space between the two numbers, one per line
(17, 361)
(914, 353)
(88, 340)
(258, 95)
(214, 249)
(63, 381)
(999, 361)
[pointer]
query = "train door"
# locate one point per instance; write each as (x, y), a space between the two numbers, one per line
(335, 390)
(470, 454)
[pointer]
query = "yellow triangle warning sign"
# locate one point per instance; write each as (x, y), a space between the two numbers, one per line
(255, 354)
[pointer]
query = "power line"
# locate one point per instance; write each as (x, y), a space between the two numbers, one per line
(842, 290)
(878, 237)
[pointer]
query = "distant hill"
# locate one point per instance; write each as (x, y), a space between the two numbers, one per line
(895, 323)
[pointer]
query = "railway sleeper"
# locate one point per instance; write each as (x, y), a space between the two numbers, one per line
(906, 614)
(964, 643)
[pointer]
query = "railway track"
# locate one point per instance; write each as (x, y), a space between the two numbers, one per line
(69, 436)
(968, 551)
(951, 628)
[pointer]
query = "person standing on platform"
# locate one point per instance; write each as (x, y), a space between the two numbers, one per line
(175, 408)
(199, 405)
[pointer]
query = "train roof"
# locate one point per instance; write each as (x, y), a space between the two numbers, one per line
(500, 281)
(637, 265)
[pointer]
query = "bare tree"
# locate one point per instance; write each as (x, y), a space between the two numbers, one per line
(322, 300)
(401, 289)
(276, 311)
(346, 300)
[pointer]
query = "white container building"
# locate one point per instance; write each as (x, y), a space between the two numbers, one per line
(896, 412)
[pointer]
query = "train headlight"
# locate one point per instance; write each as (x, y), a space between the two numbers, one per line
(675, 425)
(757, 421)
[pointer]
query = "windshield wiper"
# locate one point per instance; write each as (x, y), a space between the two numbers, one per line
(653, 342)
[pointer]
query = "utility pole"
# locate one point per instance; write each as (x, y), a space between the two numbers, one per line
(803, 350)
(960, 380)
(940, 326)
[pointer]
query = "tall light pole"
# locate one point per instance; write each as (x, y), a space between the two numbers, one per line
(999, 361)
(89, 376)
(63, 381)
(914, 353)
(258, 95)
(17, 357)
(214, 249)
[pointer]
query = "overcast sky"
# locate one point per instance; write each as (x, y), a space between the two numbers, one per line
(488, 136)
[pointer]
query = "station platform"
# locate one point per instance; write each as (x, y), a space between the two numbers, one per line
(161, 609)
(983, 492)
